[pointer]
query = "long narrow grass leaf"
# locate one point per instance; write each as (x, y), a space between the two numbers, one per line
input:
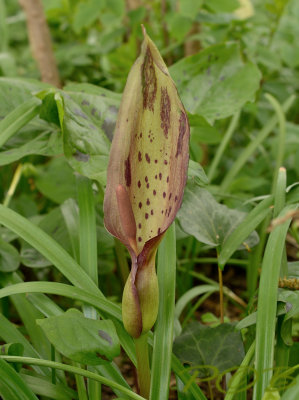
(74, 370)
(163, 337)
(281, 136)
(267, 304)
(87, 228)
(185, 377)
(18, 118)
(190, 295)
(49, 248)
(12, 385)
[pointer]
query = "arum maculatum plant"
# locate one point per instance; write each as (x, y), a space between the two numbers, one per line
(145, 182)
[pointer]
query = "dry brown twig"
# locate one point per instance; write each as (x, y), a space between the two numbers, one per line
(40, 41)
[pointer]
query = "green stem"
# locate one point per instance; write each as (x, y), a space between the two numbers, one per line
(14, 183)
(143, 368)
(221, 303)
(80, 384)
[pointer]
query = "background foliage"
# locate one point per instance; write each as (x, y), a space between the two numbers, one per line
(236, 67)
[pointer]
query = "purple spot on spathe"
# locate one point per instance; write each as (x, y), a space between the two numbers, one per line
(127, 171)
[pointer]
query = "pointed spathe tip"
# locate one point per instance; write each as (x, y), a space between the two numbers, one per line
(143, 30)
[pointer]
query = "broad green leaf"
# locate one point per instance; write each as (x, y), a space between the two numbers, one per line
(84, 340)
(9, 257)
(202, 131)
(196, 173)
(189, 8)
(216, 83)
(100, 105)
(220, 347)
(56, 180)
(84, 122)
(48, 110)
(220, 6)
(13, 349)
(208, 221)
(86, 13)
(16, 91)
(178, 25)
(12, 386)
(293, 268)
(291, 300)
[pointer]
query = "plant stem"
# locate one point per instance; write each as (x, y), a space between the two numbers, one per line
(14, 183)
(221, 295)
(143, 368)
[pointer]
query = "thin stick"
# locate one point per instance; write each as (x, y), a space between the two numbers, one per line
(221, 303)
(40, 41)
(14, 183)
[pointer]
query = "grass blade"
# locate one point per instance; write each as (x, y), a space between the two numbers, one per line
(10, 334)
(163, 336)
(190, 295)
(11, 384)
(185, 377)
(74, 370)
(240, 373)
(87, 228)
(281, 136)
(88, 255)
(49, 248)
(61, 289)
(17, 118)
(69, 210)
(267, 300)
